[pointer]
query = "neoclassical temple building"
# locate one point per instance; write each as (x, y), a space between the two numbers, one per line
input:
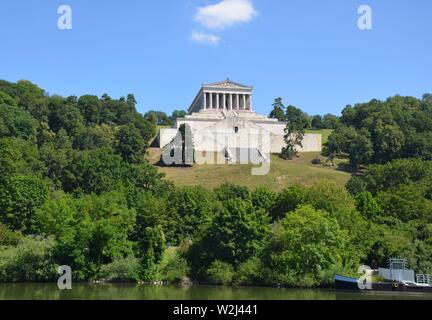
(222, 119)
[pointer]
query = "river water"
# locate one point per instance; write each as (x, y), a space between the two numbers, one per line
(32, 291)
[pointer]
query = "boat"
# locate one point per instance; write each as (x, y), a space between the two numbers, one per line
(397, 277)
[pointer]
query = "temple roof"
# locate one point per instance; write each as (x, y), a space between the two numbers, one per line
(227, 84)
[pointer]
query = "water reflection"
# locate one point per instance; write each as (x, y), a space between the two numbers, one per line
(31, 291)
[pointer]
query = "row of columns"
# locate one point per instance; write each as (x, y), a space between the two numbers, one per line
(227, 101)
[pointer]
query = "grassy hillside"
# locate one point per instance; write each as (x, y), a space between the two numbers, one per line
(282, 172)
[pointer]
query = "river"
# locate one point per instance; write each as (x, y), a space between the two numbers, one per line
(33, 291)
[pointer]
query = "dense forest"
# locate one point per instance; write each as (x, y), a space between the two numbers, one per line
(75, 190)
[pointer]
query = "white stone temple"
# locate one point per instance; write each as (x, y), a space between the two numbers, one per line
(221, 119)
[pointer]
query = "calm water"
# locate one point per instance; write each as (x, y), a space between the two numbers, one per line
(30, 291)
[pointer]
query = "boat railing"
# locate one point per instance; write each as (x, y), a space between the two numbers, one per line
(424, 279)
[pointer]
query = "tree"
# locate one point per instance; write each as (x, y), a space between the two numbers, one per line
(368, 206)
(294, 133)
(228, 191)
(15, 122)
(288, 200)
(90, 231)
(388, 143)
(427, 97)
(31, 260)
(90, 108)
(330, 121)
(359, 149)
(150, 246)
(95, 137)
(348, 141)
(64, 114)
(160, 118)
(177, 114)
(19, 199)
(278, 110)
(130, 145)
(406, 203)
(94, 171)
(317, 122)
(32, 99)
(188, 210)
(263, 198)
(237, 232)
(296, 116)
(305, 249)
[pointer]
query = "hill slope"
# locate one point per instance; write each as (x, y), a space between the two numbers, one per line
(281, 172)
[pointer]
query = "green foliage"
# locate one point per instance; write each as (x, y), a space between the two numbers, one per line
(330, 121)
(189, 209)
(90, 231)
(20, 197)
(305, 249)
(30, 260)
(399, 127)
(15, 122)
(391, 175)
(121, 270)
(97, 170)
(177, 114)
(150, 247)
(230, 191)
(75, 190)
(263, 198)
(94, 137)
(288, 200)
(317, 122)
(294, 132)
(237, 232)
(9, 237)
(173, 268)
(130, 145)
(159, 118)
(221, 273)
(278, 110)
(356, 145)
(90, 109)
(368, 206)
(249, 272)
(406, 203)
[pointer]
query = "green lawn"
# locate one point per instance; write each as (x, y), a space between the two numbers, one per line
(281, 173)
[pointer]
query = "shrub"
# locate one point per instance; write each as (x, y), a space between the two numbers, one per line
(305, 248)
(248, 273)
(121, 270)
(30, 260)
(220, 273)
(173, 267)
(9, 237)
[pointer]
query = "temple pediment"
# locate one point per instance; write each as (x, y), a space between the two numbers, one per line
(227, 84)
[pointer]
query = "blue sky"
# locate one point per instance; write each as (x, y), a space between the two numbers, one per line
(310, 52)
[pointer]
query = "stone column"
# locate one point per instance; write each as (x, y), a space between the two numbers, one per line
(205, 101)
(238, 102)
(230, 101)
(224, 101)
(250, 103)
(217, 101)
(244, 102)
(211, 100)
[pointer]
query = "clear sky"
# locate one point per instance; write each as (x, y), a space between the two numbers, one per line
(310, 52)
